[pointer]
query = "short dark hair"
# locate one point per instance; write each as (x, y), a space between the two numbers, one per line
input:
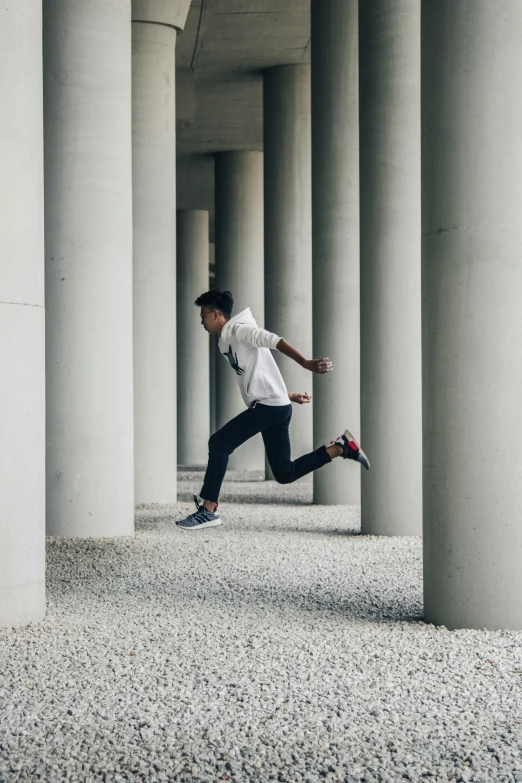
(218, 300)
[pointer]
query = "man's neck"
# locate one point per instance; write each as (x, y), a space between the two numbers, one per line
(226, 322)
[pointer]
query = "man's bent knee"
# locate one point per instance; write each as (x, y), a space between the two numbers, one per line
(282, 476)
(217, 443)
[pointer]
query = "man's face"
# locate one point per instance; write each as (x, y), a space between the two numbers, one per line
(210, 320)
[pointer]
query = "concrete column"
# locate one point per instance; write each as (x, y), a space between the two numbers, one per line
(239, 268)
(335, 221)
(391, 407)
(88, 248)
(193, 341)
(288, 230)
(154, 27)
(22, 317)
(472, 312)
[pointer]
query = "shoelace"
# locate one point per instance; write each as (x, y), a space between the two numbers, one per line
(201, 507)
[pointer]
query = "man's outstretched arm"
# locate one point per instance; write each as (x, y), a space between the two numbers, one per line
(320, 366)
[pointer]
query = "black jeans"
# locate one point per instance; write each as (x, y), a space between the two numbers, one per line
(273, 423)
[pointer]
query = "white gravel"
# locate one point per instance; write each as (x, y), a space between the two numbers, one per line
(280, 646)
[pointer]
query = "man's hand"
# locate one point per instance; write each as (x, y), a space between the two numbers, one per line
(320, 366)
(299, 397)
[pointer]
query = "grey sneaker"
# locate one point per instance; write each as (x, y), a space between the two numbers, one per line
(201, 518)
(351, 449)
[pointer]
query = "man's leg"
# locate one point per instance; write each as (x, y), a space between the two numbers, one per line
(221, 445)
(278, 451)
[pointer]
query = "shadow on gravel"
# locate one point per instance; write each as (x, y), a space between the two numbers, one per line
(90, 573)
(230, 602)
(321, 531)
(148, 523)
(250, 499)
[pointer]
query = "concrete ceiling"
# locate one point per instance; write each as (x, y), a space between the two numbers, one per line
(220, 58)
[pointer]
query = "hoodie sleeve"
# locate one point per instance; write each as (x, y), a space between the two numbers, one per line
(253, 335)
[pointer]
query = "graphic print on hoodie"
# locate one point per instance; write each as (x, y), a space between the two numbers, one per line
(248, 351)
(233, 361)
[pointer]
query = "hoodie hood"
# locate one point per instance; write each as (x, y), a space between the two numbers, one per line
(244, 317)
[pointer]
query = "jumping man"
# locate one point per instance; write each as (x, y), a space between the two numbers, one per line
(269, 411)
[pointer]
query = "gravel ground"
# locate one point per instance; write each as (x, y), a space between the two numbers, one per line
(280, 646)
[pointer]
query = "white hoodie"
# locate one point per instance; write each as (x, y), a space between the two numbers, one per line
(247, 348)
